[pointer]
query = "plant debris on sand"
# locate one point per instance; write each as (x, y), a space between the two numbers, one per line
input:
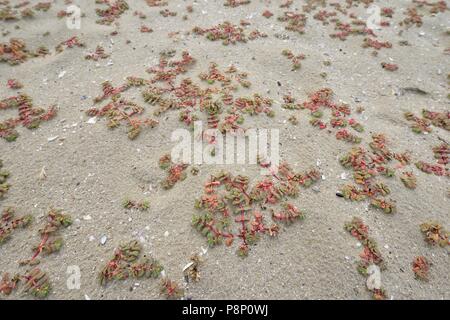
(244, 205)
(4, 185)
(370, 255)
(35, 283)
(9, 223)
(127, 263)
(435, 234)
(421, 268)
(28, 116)
(51, 241)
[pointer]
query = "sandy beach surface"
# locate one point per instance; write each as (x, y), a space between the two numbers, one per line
(77, 164)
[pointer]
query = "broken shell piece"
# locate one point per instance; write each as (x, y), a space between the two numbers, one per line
(92, 120)
(188, 266)
(42, 174)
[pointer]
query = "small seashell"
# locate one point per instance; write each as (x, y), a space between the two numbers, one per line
(92, 120)
(187, 266)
